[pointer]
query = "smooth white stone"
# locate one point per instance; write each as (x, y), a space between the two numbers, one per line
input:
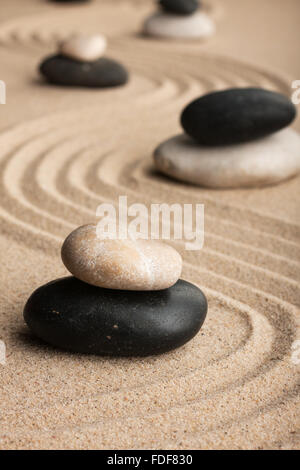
(120, 264)
(84, 48)
(167, 25)
(257, 163)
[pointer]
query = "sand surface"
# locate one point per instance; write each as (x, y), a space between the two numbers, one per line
(63, 151)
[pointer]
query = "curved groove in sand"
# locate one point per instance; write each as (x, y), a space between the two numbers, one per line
(289, 232)
(45, 28)
(80, 178)
(12, 176)
(105, 173)
(182, 386)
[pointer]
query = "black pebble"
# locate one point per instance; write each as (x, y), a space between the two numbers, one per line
(180, 7)
(71, 1)
(101, 73)
(236, 115)
(79, 317)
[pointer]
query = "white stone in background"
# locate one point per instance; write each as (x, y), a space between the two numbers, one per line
(85, 48)
(265, 161)
(120, 264)
(166, 25)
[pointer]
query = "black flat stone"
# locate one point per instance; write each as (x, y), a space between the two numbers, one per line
(79, 317)
(102, 73)
(71, 1)
(236, 115)
(180, 7)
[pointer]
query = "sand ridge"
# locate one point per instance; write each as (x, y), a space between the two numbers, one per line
(62, 152)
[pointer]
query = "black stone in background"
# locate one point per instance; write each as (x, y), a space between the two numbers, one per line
(102, 73)
(236, 115)
(79, 317)
(70, 1)
(180, 7)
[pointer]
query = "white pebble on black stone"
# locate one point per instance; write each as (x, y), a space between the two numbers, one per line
(85, 48)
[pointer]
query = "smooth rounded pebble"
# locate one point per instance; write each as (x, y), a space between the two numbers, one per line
(120, 264)
(261, 162)
(84, 48)
(180, 7)
(236, 115)
(167, 25)
(102, 73)
(76, 316)
(71, 1)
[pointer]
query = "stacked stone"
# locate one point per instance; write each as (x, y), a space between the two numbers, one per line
(180, 19)
(71, 1)
(125, 299)
(233, 138)
(80, 63)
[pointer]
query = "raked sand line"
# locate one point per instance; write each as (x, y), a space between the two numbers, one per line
(187, 364)
(43, 29)
(279, 338)
(103, 175)
(95, 177)
(46, 27)
(17, 167)
(14, 171)
(56, 136)
(209, 61)
(190, 376)
(185, 388)
(88, 161)
(286, 329)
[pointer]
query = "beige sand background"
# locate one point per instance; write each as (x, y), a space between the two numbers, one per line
(63, 151)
